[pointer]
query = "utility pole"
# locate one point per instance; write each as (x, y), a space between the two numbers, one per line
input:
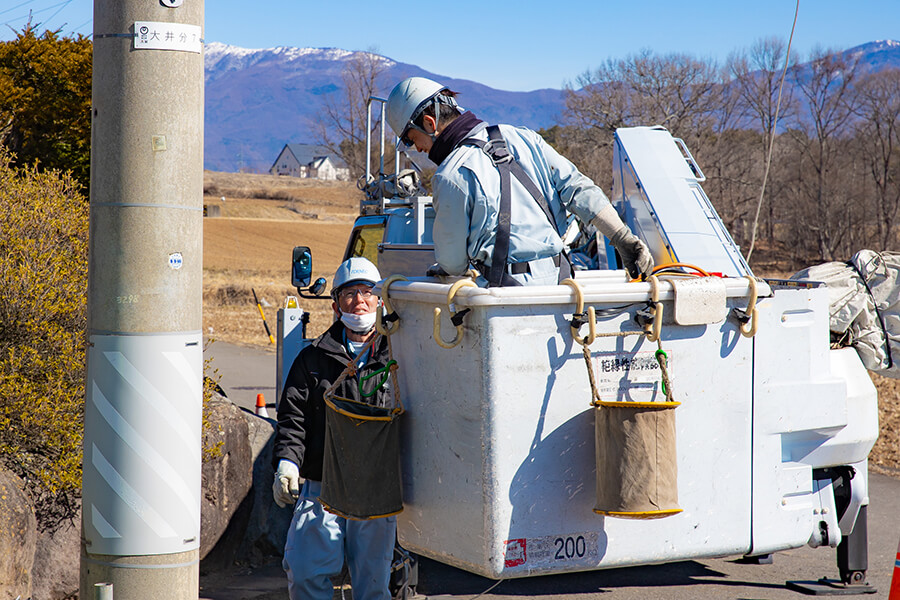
(143, 405)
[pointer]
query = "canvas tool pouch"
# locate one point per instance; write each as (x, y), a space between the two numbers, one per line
(361, 466)
(637, 472)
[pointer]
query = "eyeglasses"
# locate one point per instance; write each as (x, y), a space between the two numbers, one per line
(404, 137)
(351, 293)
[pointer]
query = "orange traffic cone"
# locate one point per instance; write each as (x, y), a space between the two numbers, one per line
(261, 406)
(895, 580)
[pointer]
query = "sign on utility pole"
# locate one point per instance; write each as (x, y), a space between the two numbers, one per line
(143, 406)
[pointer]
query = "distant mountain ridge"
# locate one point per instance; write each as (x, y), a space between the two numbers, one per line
(259, 100)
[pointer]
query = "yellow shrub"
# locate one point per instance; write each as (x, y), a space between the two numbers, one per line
(43, 286)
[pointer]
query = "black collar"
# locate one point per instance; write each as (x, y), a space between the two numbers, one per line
(452, 135)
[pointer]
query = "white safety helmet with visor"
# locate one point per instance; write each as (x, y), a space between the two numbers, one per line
(354, 270)
(408, 100)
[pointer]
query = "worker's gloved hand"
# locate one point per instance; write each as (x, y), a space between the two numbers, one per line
(436, 270)
(286, 487)
(635, 254)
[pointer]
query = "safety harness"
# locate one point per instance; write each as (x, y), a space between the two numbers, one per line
(498, 151)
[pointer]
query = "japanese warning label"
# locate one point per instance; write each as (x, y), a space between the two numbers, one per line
(550, 550)
(149, 35)
(629, 376)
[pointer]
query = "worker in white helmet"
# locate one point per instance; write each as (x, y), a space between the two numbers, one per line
(501, 193)
(319, 542)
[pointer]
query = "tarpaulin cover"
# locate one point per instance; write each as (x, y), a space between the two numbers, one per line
(361, 467)
(637, 470)
(864, 299)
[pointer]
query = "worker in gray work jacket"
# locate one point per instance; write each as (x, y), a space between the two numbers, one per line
(501, 193)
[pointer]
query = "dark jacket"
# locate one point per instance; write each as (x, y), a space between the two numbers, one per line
(300, 435)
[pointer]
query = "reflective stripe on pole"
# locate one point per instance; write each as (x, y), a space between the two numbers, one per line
(141, 496)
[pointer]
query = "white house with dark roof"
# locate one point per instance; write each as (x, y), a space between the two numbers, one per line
(311, 161)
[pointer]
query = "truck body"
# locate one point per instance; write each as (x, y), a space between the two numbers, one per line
(500, 475)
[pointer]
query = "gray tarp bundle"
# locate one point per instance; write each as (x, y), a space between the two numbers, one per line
(864, 296)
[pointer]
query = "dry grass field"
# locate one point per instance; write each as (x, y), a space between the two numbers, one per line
(260, 220)
(248, 247)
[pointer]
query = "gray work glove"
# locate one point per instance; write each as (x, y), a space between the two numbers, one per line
(635, 254)
(286, 487)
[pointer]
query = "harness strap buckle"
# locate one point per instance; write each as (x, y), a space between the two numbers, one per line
(497, 151)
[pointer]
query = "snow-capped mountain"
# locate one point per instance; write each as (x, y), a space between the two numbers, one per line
(877, 55)
(259, 100)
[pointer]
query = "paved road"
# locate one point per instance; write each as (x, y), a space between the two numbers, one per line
(246, 372)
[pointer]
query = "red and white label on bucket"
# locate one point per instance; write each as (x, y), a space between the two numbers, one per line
(551, 549)
(629, 376)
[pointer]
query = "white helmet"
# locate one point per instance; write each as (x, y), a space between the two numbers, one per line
(355, 270)
(407, 100)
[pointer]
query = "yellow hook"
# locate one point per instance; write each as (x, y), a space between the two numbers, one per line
(579, 309)
(437, 314)
(385, 305)
(750, 331)
(653, 332)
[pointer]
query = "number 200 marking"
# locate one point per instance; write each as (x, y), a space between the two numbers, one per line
(569, 547)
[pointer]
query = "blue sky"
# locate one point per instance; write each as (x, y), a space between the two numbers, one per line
(509, 45)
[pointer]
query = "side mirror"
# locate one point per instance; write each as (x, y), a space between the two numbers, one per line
(301, 274)
(318, 287)
(301, 267)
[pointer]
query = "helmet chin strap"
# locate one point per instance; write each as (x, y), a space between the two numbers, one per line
(437, 116)
(436, 107)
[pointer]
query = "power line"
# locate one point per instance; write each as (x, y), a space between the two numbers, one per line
(75, 29)
(16, 6)
(68, 2)
(31, 13)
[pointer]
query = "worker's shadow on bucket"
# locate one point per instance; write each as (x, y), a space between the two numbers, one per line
(555, 481)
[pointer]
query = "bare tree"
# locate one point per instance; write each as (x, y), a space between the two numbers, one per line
(599, 101)
(757, 79)
(757, 76)
(826, 85)
(676, 91)
(342, 125)
(879, 137)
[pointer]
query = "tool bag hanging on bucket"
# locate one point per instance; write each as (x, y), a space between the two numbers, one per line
(635, 450)
(361, 466)
(637, 474)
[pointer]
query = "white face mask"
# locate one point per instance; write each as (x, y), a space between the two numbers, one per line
(358, 323)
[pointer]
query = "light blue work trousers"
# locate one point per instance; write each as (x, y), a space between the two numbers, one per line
(318, 541)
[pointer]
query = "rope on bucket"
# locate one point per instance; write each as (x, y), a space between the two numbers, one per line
(635, 442)
(652, 331)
